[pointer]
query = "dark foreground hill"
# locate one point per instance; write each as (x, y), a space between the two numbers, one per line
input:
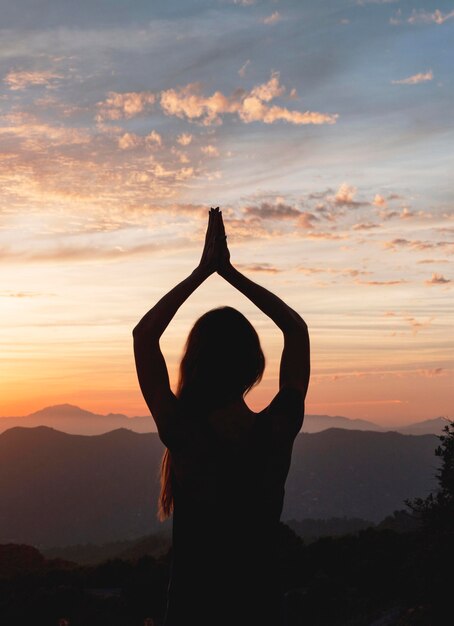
(60, 489)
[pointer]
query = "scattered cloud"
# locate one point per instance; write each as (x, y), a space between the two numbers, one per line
(306, 219)
(416, 244)
(210, 150)
(421, 17)
(124, 105)
(437, 279)
(379, 201)
(345, 197)
(19, 80)
(272, 19)
(267, 211)
(189, 103)
(184, 139)
(425, 17)
(406, 213)
(415, 79)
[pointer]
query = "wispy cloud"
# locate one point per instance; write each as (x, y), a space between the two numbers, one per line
(265, 268)
(243, 68)
(381, 283)
(421, 17)
(425, 17)
(415, 79)
(365, 226)
(19, 80)
(416, 244)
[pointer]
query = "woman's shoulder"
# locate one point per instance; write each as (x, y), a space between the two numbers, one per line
(286, 411)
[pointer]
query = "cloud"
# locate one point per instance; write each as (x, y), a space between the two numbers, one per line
(129, 141)
(36, 135)
(189, 102)
(416, 244)
(432, 373)
(324, 235)
(433, 261)
(380, 283)
(415, 325)
(153, 138)
(424, 17)
(265, 268)
(365, 226)
(24, 294)
(406, 213)
(272, 19)
(415, 79)
(243, 68)
(306, 220)
(184, 139)
(19, 80)
(89, 252)
(210, 150)
(267, 211)
(379, 201)
(124, 105)
(437, 279)
(345, 196)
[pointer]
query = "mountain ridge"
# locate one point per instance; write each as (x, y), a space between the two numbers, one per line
(75, 420)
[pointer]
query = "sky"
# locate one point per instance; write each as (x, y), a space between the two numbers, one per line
(322, 129)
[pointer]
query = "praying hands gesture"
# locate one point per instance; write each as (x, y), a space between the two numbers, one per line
(215, 255)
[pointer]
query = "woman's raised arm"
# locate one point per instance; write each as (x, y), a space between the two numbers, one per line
(295, 361)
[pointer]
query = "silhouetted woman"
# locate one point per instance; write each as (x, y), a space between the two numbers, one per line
(224, 469)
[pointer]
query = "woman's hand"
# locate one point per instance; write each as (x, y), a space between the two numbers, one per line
(224, 253)
(215, 255)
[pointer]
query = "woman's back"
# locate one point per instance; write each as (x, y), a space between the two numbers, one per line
(228, 498)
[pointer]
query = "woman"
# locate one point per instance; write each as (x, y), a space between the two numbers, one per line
(225, 466)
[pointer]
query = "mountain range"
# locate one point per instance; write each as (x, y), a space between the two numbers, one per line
(74, 420)
(60, 489)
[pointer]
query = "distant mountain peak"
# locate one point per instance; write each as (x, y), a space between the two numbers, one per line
(62, 410)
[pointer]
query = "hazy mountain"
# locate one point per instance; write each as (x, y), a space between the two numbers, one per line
(426, 427)
(317, 423)
(61, 489)
(74, 420)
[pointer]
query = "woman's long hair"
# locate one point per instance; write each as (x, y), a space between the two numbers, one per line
(222, 361)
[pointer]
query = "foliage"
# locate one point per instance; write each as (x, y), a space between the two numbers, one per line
(436, 511)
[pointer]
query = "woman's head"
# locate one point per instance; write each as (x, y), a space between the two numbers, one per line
(222, 359)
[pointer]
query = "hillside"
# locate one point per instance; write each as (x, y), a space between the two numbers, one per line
(60, 489)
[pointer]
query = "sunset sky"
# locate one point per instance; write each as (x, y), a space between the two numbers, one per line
(324, 131)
